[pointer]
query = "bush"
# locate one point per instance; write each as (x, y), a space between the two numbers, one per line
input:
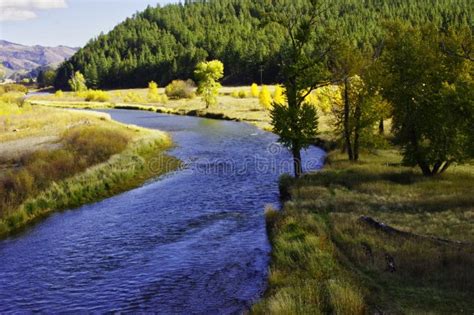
(133, 97)
(265, 98)
(179, 89)
(13, 88)
(12, 98)
(95, 144)
(59, 94)
(242, 94)
(254, 90)
(96, 96)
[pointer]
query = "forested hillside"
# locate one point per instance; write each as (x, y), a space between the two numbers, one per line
(166, 43)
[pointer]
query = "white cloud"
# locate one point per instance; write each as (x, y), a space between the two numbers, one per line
(12, 14)
(18, 10)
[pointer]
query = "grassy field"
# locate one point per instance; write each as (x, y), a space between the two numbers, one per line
(331, 255)
(245, 109)
(53, 159)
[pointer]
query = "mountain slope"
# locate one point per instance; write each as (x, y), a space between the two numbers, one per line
(18, 58)
(165, 43)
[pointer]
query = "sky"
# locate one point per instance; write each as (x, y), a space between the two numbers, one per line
(64, 22)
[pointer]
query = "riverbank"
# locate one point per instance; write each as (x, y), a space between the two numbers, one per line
(245, 109)
(54, 159)
(332, 254)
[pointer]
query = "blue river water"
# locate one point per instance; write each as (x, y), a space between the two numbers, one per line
(190, 242)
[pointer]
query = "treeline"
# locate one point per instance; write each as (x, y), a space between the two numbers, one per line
(165, 43)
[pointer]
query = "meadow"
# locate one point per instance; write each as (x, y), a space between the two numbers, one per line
(371, 237)
(234, 103)
(55, 159)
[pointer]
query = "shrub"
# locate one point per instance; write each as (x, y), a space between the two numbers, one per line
(279, 95)
(13, 98)
(59, 94)
(133, 97)
(96, 96)
(265, 98)
(254, 90)
(154, 95)
(13, 88)
(95, 144)
(242, 94)
(235, 94)
(179, 89)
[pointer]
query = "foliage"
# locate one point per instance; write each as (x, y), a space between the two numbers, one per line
(265, 98)
(304, 58)
(77, 83)
(208, 74)
(59, 94)
(153, 92)
(283, 118)
(164, 43)
(46, 78)
(179, 89)
(431, 92)
(5, 88)
(254, 90)
(96, 96)
(279, 95)
(133, 97)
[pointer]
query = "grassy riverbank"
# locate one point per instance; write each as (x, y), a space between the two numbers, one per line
(54, 159)
(327, 259)
(228, 107)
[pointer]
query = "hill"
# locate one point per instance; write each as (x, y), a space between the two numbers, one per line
(21, 59)
(165, 43)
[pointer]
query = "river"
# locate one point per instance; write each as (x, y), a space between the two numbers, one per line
(190, 242)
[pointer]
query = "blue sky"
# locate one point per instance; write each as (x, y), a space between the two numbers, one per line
(64, 22)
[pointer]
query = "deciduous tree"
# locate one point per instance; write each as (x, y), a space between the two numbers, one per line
(303, 63)
(208, 74)
(78, 82)
(430, 90)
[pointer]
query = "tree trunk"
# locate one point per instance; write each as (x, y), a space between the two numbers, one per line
(381, 127)
(347, 132)
(297, 161)
(357, 116)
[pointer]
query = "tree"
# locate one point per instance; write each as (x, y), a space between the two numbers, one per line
(153, 93)
(46, 78)
(279, 95)
(254, 90)
(303, 63)
(77, 82)
(265, 98)
(430, 90)
(362, 105)
(208, 74)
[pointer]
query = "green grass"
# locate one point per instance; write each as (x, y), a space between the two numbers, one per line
(326, 259)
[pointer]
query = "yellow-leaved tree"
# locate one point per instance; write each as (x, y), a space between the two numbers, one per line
(279, 95)
(153, 94)
(265, 98)
(208, 75)
(254, 90)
